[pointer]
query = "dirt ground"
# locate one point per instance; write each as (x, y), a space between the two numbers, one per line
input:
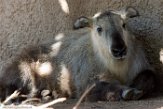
(154, 102)
(150, 103)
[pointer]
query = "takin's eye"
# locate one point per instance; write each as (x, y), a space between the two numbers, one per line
(99, 29)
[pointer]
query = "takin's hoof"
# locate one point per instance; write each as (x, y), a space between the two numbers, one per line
(45, 93)
(132, 94)
(46, 98)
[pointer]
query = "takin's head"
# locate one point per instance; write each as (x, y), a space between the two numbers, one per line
(109, 33)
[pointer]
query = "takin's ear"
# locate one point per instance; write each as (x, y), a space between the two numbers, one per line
(128, 12)
(82, 22)
(131, 12)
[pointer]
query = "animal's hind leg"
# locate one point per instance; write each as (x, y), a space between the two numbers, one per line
(143, 84)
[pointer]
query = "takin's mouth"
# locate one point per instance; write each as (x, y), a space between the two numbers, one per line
(121, 58)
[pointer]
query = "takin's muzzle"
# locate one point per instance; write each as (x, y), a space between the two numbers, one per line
(118, 47)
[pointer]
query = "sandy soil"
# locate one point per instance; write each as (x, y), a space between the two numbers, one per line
(150, 103)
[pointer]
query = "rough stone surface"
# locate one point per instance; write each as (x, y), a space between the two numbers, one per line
(25, 22)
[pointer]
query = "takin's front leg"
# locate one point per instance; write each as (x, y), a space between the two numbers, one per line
(107, 88)
(145, 81)
(142, 84)
(106, 91)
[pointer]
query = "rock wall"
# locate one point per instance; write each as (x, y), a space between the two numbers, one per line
(24, 22)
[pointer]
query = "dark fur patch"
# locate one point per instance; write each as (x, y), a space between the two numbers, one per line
(145, 81)
(104, 91)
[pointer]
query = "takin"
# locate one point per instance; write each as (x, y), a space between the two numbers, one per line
(103, 52)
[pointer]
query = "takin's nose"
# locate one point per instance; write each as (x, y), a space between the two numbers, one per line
(119, 52)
